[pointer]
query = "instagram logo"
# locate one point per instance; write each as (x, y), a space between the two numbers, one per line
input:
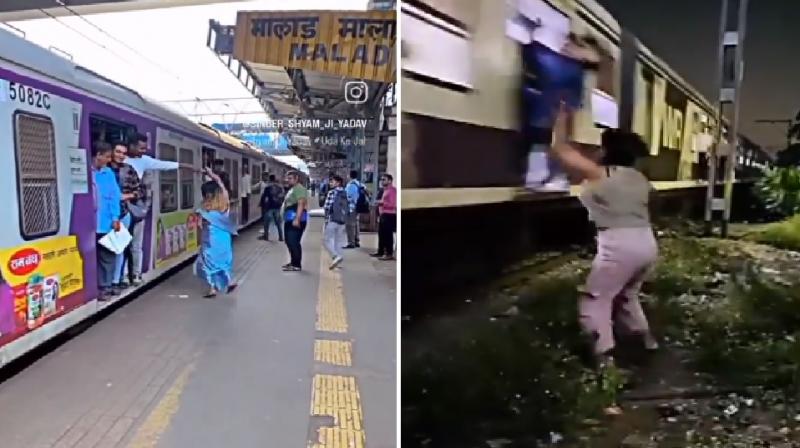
(356, 92)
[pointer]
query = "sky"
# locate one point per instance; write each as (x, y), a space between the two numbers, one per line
(684, 34)
(168, 58)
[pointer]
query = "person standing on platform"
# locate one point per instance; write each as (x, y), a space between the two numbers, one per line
(245, 189)
(264, 180)
(214, 262)
(387, 224)
(295, 218)
(107, 200)
(130, 185)
(357, 195)
(272, 197)
(324, 187)
(337, 207)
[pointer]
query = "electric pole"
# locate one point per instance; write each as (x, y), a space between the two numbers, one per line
(733, 21)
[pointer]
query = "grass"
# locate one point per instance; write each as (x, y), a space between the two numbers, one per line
(523, 377)
(784, 234)
(515, 378)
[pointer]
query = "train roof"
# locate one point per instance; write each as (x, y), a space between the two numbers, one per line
(20, 51)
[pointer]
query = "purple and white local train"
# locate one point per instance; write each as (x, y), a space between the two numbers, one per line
(51, 110)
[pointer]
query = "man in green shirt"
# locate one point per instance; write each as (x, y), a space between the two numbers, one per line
(295, 218)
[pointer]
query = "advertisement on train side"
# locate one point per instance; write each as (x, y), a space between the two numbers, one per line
(176, 235)
(36, 277)
(353, 44)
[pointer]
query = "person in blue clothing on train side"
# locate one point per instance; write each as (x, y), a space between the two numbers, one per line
(107, 200)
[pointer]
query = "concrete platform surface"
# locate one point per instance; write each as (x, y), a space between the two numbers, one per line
(289, 360)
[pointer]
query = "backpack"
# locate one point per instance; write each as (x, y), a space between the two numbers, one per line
(362, 203)
(339, 208)
(275, 196)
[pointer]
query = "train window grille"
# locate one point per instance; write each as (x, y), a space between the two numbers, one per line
(37, 176)
(168, 180)
(187, 179)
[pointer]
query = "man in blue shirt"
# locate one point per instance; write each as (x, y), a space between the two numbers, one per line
(108, 198)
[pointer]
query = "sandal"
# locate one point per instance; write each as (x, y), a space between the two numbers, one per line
(211, 294)
(232, 288)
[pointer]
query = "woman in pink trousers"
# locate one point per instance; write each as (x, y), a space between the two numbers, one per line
(616, 196)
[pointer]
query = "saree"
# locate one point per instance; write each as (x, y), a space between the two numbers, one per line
(215, 259)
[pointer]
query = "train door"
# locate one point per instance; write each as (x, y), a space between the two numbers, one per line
(233, 194)
(255, 189)
(177, 197)
(46, 170)
(245, 188)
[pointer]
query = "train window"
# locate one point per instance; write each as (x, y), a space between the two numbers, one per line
(208, 157)
(605, 73)
(256, 177)
(187, 180)
(37, 187)
(168, 180)
(226, 167)
(108, 130)
(234, 179)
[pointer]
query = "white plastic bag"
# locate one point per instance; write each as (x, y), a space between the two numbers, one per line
(117, 241)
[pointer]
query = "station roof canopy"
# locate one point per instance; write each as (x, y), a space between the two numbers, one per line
(16, 10)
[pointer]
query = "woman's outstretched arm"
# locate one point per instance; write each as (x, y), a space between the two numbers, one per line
(219, 182)
(563, 150)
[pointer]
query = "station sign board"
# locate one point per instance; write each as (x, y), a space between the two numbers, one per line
(352, 44)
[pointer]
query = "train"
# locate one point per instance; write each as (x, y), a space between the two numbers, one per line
(51, 111)
(461, 100)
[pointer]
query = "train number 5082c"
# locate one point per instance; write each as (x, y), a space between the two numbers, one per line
(28, 95)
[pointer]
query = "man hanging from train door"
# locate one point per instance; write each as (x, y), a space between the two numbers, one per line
(550, 77)
(140, 208)
(554, 64)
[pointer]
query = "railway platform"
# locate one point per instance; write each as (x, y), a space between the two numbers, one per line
(288, 360)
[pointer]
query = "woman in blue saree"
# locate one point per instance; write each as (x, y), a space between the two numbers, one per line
(215, 261)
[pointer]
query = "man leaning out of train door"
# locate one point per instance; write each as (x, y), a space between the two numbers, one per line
(107, 199)
(140, 207)
(129, 183)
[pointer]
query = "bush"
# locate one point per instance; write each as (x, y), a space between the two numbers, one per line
(779, 190)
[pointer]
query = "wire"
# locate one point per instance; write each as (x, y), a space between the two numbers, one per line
(85, 36)
(101, 30)
(144, 57)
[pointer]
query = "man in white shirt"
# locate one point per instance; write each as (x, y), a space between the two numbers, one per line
(142, 164)
(245, 189)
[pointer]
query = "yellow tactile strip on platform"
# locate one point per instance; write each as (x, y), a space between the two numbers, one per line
(337, 353)
(338, 397)
(331, 311)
